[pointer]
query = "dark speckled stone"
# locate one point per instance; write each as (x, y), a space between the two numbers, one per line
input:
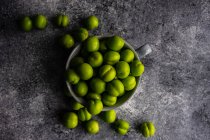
(174, 92)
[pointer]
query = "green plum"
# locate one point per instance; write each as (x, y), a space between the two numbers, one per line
(122, 126)
(76, 105)
(85, 71)
(115, 88)
(72, 77)
(115, 43)
(109, 116)
(107, 73)
(129, 83)
(109, 100)
(147, 129)
(81, 88)
(70, 120)
(95, 59)
(26, 24)
(91, 22)
(94, 106)
(92, 95)
(67, 41)
(123, 69)
(127, 55)
(40, 22)
(97, 85)
(137, 68)
(62, 20)
(84, 115)
(76, 61)
(111, 57)
(92, 44)
(80, 34)
(92, 126)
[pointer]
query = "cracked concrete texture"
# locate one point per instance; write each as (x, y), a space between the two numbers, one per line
(174, 91)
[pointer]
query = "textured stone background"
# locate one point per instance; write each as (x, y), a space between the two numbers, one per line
(174, 91)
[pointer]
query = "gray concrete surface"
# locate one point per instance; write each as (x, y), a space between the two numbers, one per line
(174, 92)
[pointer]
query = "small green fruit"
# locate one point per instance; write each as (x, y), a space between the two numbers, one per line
(92, 44)
(92, 127)
(91, 22)
(26, 24)
(62, 21)
(123, 69)
(81, 88)
(127, 55)
(40, 22)
(94, 107)
(115, 88)
(70, 120)
(137, 68)
(109, 100)
(111, 57)
(129, 83)
(72, 77)
(148, 129)
(93, 96)
(85, 71)
(115, 43)
(84, 115)
(97, 85)
(67, 41)
(95, 59)
(109, 116)
(122, 126)
(76, 105)
(80, 34)
(107, 73)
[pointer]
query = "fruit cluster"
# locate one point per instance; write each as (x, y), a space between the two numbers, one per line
(104, 71)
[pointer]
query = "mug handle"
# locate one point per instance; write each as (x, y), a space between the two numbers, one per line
(144, 50)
